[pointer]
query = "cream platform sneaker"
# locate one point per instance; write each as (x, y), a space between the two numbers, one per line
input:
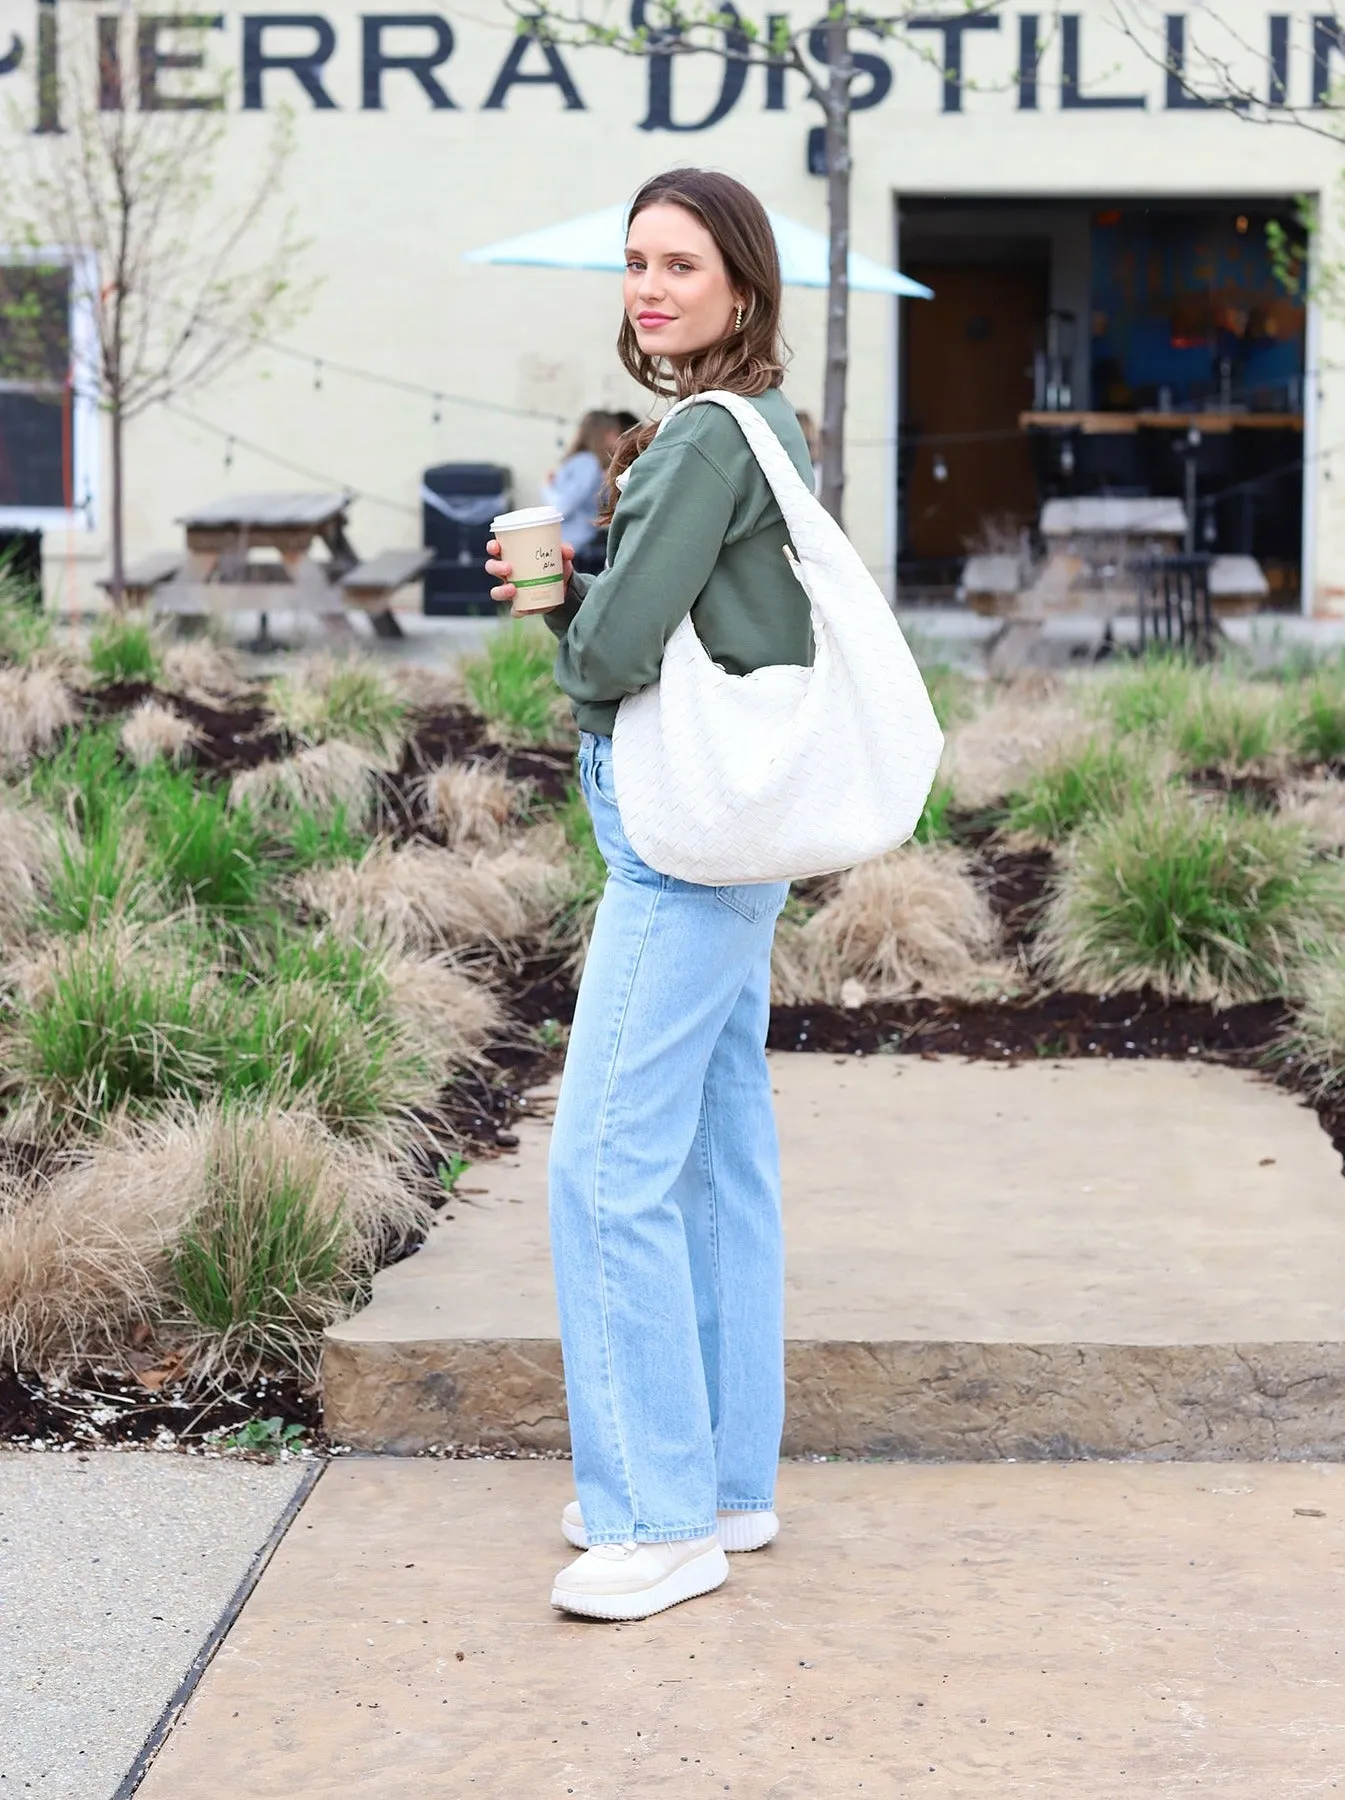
(737, 1530)
(631, 1581)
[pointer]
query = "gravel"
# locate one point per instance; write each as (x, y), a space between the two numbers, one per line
(114, 1569)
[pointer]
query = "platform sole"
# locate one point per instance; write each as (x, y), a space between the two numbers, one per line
(738, 1532)
(699, 1575)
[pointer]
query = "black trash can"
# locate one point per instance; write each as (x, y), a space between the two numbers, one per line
(21, 563)
(458, 502)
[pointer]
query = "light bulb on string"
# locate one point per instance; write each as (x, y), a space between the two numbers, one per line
(228, 454)
(940, 469)
(317, 377)
(438, 416)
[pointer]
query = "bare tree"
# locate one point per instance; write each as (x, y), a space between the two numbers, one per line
(680, 30)
(121, 202)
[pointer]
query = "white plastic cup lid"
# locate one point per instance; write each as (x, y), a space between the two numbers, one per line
(527, 518)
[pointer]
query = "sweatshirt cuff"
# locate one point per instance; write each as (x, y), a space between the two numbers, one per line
(560, 618)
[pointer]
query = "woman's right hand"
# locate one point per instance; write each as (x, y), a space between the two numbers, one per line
(504, 594)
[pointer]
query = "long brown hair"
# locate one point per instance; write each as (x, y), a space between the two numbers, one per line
(592, 434)
(748, 361)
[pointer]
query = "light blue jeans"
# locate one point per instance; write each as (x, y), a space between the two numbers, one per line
(665, 1200)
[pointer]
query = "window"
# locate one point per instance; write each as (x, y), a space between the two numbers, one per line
(48, 406)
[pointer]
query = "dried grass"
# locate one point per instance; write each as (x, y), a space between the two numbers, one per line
(1319, 807)
(913, 922)
(154, 733)
(27, 853)
(429, 690)
(103, 1243)
(472, 806)
(82, 1255)
(1024, 727)
(418, 897)
(35, 706)
(203, 671)
(349, 700)
(323, 779)
(448, 1016)
(1317, 1031)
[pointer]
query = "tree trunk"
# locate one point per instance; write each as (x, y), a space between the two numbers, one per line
(840, 76)
(118, 588)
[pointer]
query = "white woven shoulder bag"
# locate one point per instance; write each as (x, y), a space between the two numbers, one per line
(788, 771)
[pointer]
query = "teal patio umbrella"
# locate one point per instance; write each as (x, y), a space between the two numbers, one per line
(597, 241)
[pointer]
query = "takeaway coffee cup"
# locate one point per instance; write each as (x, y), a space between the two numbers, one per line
(530, 543)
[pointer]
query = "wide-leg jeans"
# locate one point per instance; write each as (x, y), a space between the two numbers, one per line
(665, 1199)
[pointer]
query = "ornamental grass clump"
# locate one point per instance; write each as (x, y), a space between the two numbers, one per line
(348, 702)
(99, 875)
(154, 733)
(285, 1226)
(1097, 777)
(1196, 899)
(35, 708)
(513, 686)
(86, 779)
(1145, 696)
(321, 780)
(1231, 725)
(25, 630)
(419, 897)
(207, 853)
(1319, 807)
(472, 806)
(300, 1043)
(122, 648)
(1316, 1033)
(81, 1254)
(1319, 726)
(1021, 728)
(28, 852)
(106, 1026)
(914, 921)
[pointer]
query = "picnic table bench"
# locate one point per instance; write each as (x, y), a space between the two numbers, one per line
(254, 553)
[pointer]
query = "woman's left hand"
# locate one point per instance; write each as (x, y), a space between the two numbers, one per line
(505, 593)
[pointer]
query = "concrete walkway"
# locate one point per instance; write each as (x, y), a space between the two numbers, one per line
(984, 1260)
(1068, 1633)
(115, 1569)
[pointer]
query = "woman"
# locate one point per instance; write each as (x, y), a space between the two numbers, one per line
(665, 1185)
(576, 488)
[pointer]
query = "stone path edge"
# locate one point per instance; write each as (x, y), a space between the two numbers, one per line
(967, 1402)
(222, 1626)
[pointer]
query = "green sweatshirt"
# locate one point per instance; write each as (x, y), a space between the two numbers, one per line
(696, 530)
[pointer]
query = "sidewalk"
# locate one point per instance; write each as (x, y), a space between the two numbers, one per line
(116, 1570)
(1071, 1632)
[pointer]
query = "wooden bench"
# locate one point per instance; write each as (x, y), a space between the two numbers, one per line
(141, 579)
(371, 585)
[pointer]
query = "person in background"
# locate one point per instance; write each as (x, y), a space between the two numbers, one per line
(577, 487)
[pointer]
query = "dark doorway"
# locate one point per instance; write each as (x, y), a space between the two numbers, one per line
(967, 376)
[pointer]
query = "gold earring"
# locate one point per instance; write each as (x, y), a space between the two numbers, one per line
(738, 322)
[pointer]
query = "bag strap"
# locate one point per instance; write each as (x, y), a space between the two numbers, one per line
(798, 504)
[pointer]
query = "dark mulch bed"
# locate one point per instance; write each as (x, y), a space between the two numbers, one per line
(97, 1407)
(232, 738)
(1063, 1024)
(237, 736)
(1018, 883)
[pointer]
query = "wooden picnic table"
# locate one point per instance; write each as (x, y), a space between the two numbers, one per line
(254, 553)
